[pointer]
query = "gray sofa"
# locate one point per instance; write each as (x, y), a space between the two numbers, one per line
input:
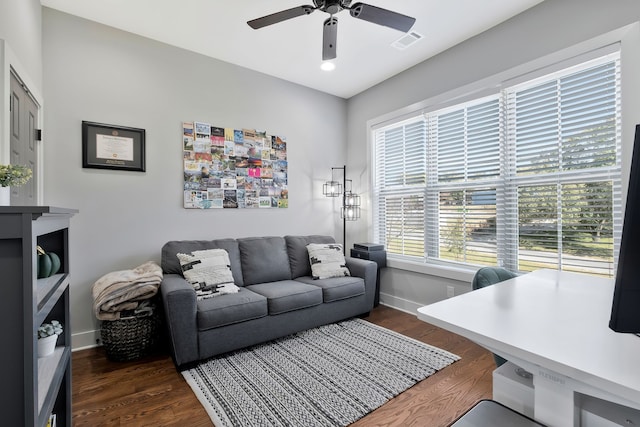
(277, 296)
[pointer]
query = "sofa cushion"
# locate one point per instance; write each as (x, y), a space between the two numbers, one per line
(336, 288)
(288, 295)
(327, 260)
(298, 254)
(264, 259)
(229, 309)
(208, 272)
(171, 265)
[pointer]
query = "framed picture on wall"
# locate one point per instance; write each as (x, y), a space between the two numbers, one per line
(228, 168)
(112, 147)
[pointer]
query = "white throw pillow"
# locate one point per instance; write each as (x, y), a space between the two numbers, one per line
(327, 260)
(209, 272)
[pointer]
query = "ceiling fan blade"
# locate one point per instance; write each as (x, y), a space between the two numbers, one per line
(381, 16)
(329, 38)
(274, 18)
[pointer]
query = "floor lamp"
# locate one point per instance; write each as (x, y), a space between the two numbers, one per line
(350, 209)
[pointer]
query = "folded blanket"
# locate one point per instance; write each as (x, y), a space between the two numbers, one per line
(122, 290)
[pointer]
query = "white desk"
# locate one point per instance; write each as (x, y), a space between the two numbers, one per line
(555, 325)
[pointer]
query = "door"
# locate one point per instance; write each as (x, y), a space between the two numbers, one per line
(24, 135)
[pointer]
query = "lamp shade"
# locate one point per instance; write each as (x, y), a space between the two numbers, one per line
(332, 189)
(351, 199)
(350, 206)
(350, 213)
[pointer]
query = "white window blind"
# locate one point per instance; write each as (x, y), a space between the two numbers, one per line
(566, 169)
(404, 217)
(468, 226)
(465, 142)
(468, 142)
(401, 176)
(527, 178)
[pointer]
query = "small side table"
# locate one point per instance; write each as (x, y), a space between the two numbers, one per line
(379, 256)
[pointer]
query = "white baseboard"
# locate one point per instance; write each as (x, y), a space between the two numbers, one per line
(407, 306)
(91, 339)
(85, 340)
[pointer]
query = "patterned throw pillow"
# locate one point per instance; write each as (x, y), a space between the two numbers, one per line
(209, 272)
(327, 260)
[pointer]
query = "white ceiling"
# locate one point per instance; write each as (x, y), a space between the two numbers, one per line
(292, 50)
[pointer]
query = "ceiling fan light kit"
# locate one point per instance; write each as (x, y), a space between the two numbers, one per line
(366, 12)
(329, 38)
(327, 66)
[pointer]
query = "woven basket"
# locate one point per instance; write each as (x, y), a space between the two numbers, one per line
(130, 338)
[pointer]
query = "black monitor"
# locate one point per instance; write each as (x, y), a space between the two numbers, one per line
(625, 312)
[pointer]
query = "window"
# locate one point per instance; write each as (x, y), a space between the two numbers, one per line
(401, 156)
(526, 178)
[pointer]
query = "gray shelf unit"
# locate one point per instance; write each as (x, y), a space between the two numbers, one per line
(34, 388)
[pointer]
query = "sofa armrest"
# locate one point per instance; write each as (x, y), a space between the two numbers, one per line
(179, 301)
(367, 270)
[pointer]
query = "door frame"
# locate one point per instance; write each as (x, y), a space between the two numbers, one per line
(9, 64)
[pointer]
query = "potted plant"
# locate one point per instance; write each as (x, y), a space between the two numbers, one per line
(12, 175)
(47, 337)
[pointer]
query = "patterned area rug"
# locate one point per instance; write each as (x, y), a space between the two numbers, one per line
(328, 376)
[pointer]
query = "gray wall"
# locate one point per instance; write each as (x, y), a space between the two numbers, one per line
(20, 27)
(549, 27)
(97, 73)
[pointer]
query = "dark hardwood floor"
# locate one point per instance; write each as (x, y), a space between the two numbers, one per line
(150, 392)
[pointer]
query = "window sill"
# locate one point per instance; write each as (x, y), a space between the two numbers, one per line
(444, 271)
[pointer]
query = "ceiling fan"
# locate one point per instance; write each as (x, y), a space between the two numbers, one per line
(362, 11)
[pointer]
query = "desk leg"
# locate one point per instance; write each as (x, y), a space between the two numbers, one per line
(554, 402)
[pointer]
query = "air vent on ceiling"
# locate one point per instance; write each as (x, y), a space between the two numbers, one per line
(406, 40)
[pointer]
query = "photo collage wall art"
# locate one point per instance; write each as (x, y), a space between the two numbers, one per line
(231, 168)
